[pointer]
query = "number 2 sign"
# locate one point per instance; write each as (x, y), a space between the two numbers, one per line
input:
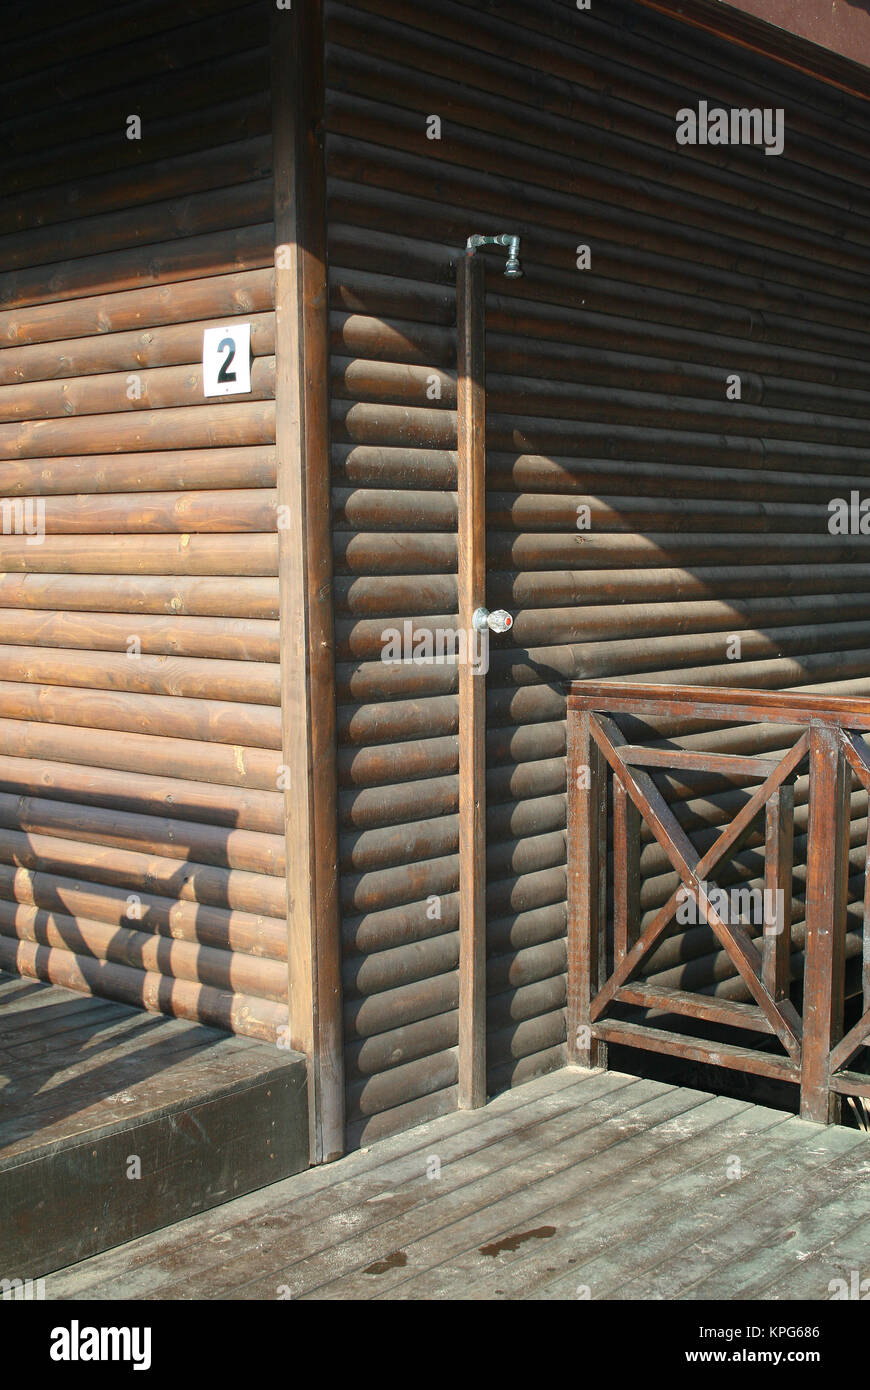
(226, 360)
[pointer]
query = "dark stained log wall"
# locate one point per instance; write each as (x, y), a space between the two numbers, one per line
(141, 821)
(606, 388)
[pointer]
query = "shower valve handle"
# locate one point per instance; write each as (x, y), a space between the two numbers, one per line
(497, 621)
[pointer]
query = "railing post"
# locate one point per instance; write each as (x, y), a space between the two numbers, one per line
(778, 869)
(587, 887)
(827, 859)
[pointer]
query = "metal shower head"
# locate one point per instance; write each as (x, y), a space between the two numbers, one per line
(512, 269)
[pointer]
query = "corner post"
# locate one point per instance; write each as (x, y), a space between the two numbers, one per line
(305, 565)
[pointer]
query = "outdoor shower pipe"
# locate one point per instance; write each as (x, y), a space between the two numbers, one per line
(512, 269)
(482, 619)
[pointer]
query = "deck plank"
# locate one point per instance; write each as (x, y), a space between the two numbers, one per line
(757, 1211)
(579, 1180)
(367, 1234)
(153, 1260)
(613, 1194)
(785, 1247)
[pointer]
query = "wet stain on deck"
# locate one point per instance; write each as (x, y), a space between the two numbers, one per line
(511, 1243)
(395, 1261)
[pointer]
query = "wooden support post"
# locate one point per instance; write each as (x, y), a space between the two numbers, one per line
(587, 888)
(471, 440)
(626, 871)
(305, 567)
(827, 858)
(778, 868)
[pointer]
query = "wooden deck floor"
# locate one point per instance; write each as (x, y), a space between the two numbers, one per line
(579, 1185)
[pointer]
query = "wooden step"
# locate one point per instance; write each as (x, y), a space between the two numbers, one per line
(115, 1122)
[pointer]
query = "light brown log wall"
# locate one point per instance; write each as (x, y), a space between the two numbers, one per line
(605, 387)
(141, 821)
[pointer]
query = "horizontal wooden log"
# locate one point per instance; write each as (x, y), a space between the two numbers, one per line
(181, 998)
(219, 764)
(608, 603)
(391, 846)
(529, 1001)
(715, 584)
(408, 883)
(355, 336)
(410, 801)
(525, 854)
(194, 596)
(211, 253)
(248, 933)
(395, 1008)
(523, 1039)
(399, 926)
(145, 794)
(181, 960)
(251, 682)
(171, 346)
(255, 726)
(370, 1128)
(228, 511)
(132, 870)
(518, 1071)
(125, 390)
(383, 970)
(525, 967)
(524, 892)
(243, 198)
(357, 290)
(228, 556)
(359, 725)
(225, 639)
(252, 851)
(522, 929)
(186, 149)
(394, 762)
(361, 423)
(747, 476)
(368, 682)
(407, 1082)
(189, 427)
(211, 296)
(373, 1055)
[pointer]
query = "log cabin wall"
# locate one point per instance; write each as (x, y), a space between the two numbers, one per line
(607, 389)
(141, 821)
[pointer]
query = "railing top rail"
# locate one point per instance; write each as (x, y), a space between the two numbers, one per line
(720, 703)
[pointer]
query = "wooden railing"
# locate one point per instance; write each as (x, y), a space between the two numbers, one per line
(608, 950)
